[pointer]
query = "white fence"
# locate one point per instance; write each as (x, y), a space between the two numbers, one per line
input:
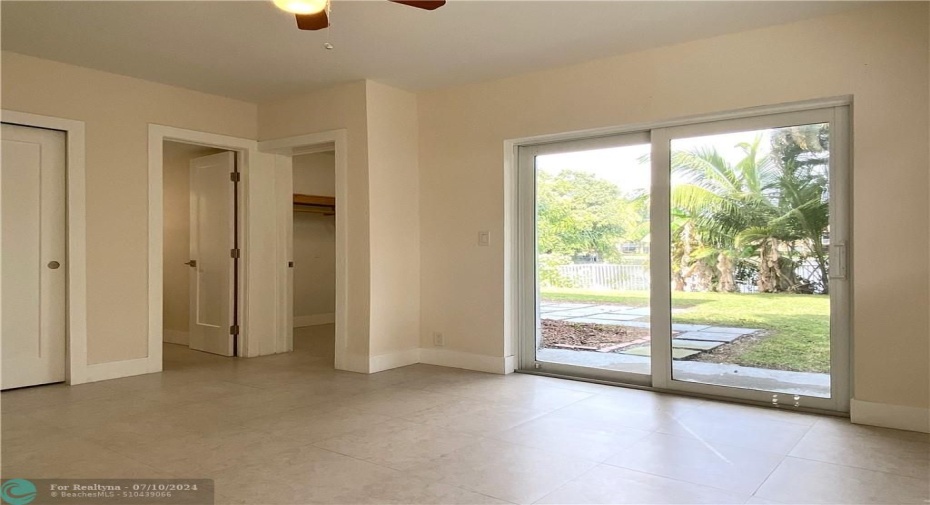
(607, 276)
(635, 277)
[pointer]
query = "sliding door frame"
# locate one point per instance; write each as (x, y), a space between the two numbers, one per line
(522, 305)
(529, 287)
(839, 207)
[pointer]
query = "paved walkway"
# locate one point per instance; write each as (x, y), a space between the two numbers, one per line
(689, 339)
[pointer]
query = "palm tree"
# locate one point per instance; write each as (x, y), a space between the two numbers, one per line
(761, 209)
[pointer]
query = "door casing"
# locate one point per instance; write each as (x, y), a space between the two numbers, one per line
(520, 283)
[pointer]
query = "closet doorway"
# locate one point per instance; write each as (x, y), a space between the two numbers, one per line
(314, 252)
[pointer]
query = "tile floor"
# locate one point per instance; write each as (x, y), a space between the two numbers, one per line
(289, 429)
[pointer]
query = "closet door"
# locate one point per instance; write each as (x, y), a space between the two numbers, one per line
(33, 262)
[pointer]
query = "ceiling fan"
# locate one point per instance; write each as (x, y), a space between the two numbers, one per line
(314, 14)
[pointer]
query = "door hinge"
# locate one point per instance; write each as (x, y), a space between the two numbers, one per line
(234, 253)
(234, 329)
(234, 176)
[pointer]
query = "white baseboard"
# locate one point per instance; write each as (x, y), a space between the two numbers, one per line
(398, 359)
(118, 369)
(353, 363)
(314, 320)
(176, 337)
(510, 364)
(466, 360)
(890, 416)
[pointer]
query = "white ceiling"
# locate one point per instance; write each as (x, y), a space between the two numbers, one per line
(252, 51)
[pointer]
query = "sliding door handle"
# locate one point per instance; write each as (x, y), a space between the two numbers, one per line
(191, 263)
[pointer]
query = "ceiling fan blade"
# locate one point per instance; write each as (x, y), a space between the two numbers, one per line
(316, 21)
(429, 5)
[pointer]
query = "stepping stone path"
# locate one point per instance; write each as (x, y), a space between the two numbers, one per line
(691, 339)
(710, 336)
(698, 345)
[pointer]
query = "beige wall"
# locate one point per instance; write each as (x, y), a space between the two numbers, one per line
(176, 275)
(341, 107)
(383, 254)
(395, 219)
(879, 55)
(116, 111)
(314, 239)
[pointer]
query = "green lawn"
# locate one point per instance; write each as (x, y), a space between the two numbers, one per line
(798, 336)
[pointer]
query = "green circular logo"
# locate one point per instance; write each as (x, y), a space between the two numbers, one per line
(18, 491)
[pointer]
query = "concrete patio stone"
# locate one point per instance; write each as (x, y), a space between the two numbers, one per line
(709, 335)
(698, 345)
(740, 331)
(647, 351)
(614, 308)
(689, 327)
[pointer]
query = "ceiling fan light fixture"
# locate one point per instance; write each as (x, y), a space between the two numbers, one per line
(302, 6)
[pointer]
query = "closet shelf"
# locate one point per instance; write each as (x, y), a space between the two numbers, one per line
(325, 205)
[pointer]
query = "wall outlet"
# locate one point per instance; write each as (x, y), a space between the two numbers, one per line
(484, 238)
(438, 340)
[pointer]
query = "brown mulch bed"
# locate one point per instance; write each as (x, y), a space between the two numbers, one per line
(590, 337)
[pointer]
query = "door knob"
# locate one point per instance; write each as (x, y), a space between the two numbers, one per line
(191, 263)
(54, 265)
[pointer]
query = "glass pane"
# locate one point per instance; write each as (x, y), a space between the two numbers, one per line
(749, 260)
(592, 222)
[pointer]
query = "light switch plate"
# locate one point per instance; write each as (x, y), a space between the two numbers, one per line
(484, 238)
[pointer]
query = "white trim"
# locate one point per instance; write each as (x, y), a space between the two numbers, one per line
(314, 320)
(288, 146)
(118, 369)
(176, 337)
(245, 150)
(466, 360)
(77, 368)
(899, 417)
(284, 244)
(660, 268)
(391, 360)
(510, 364)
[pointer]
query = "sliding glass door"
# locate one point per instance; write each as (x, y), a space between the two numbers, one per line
(708, 258)
(587, 249)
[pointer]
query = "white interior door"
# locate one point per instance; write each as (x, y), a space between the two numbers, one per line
(212, 263)
(33, 256)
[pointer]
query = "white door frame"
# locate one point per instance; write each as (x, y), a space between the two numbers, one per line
(245, 150)
(305, 144)
(517, 274)
(77, 369)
